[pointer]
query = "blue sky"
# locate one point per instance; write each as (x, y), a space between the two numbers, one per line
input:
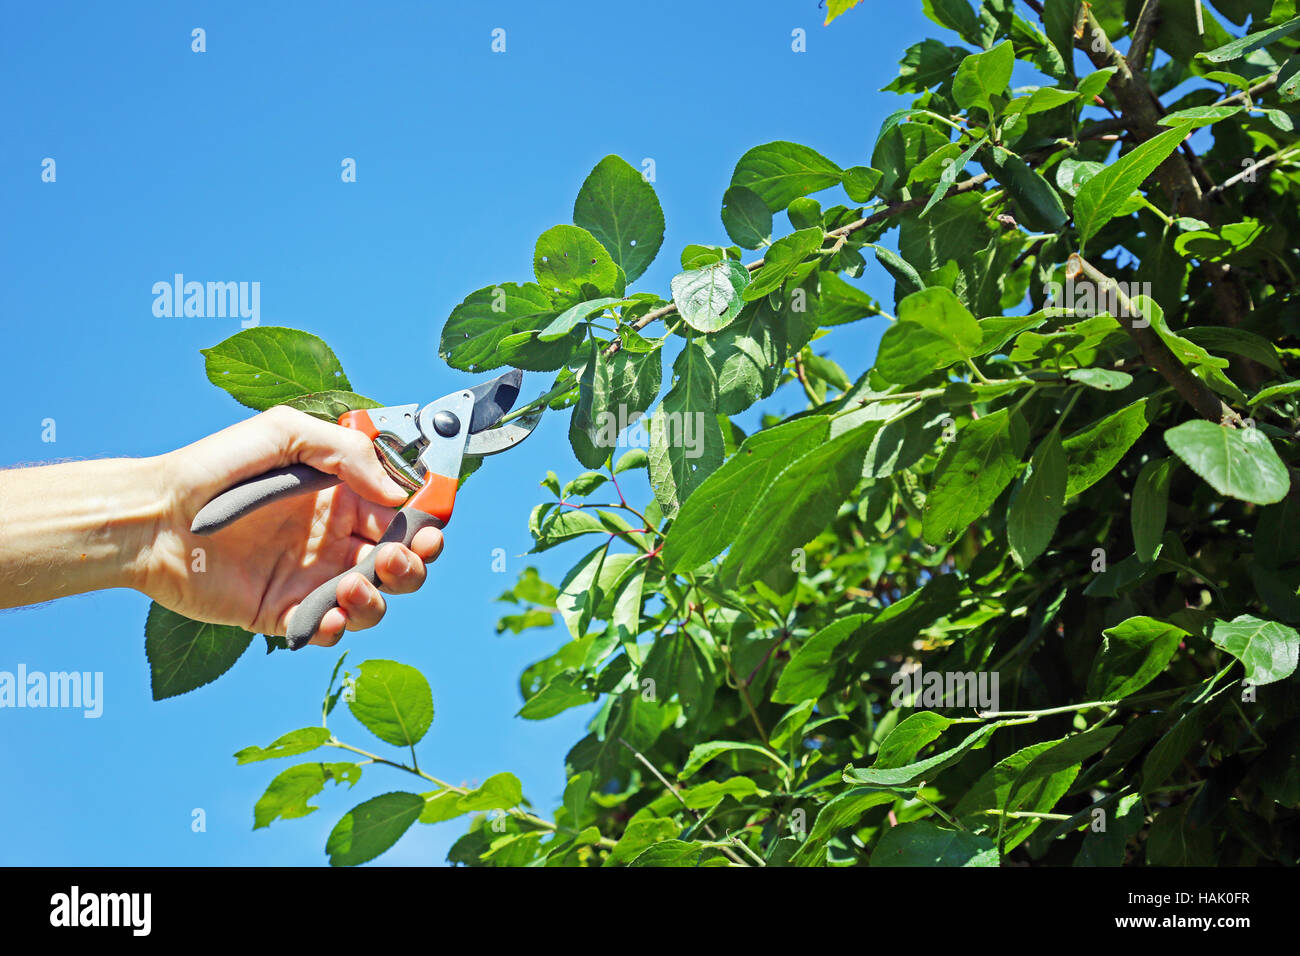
(225, 166)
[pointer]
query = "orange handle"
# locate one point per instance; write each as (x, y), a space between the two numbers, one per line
(437, 497)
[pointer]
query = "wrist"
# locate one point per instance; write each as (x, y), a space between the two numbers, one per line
(77, 527)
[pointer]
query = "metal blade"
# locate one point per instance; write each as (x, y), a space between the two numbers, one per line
(501, 439)
(493, 399)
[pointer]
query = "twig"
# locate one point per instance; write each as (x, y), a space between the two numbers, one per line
(673, 790)
(1143, 31)
(1249, 171)
(1193, 391)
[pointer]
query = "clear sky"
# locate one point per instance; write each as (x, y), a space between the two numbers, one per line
(225, 166)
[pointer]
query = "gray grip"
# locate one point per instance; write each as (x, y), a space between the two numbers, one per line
(238, 500)
(307, 616)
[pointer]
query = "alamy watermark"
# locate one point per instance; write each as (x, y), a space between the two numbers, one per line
(73, 690)
(211, 300)
(1087, 298)
(914, 687)
(622, 428)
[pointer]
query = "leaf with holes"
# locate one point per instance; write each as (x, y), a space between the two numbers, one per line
(619, 207)
(473, 334)
(573, 267)
(268, 365)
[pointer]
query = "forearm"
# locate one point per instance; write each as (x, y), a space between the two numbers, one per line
(76, 527)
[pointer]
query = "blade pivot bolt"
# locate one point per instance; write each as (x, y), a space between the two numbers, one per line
(446, 424)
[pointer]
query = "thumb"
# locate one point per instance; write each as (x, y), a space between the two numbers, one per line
(337, 451)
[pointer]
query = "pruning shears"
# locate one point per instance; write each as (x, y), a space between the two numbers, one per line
(421, 447)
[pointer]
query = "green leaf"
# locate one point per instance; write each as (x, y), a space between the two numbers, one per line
(286, 745)
(639, 835)
(329, 405)
(1253, 41)
(1198, 116)
(474, 332)
(1107, 847)
(685, 438)
(1132, 655)
(1093, 84)
(578, 599)
(565, 322)
(393, 702)
(983, 75)
(1149, 507)
(708, 299)
(1037, 204)
(1239, 463)
(808, 673)
(286, 798)
(798, 504)
(933, 331)
(1267, 650)
(613, 391)
(922, 843)
(670, 853)
(842, 302)
(572, 266)
(1274, 391)
(498, 792)
(370, 828)
(1037, 503)
(268, 365)
(955, 15)
(841, 811)
(781, 259)
(974, 469)
(714, 514)
(184, 654)
(1102, 379)
(860, 182)
(951, 172)
(1101, 197)
(561, 692)
(746, 357)
(922, 769)
(746, 217)
(1093, 451)
(907, 278)
(441, 805)
(781, 171)
(678, 667)
(908, 738)
(1237, 342)
(702, 754)
(619, 207)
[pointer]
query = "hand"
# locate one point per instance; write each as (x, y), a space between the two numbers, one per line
(257, 570)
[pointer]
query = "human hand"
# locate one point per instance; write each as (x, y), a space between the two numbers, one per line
(257, 570)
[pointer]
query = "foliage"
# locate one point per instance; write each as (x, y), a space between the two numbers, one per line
(1069, 469)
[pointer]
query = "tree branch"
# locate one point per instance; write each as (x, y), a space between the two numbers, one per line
(1143, 30)
(1193, 391)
